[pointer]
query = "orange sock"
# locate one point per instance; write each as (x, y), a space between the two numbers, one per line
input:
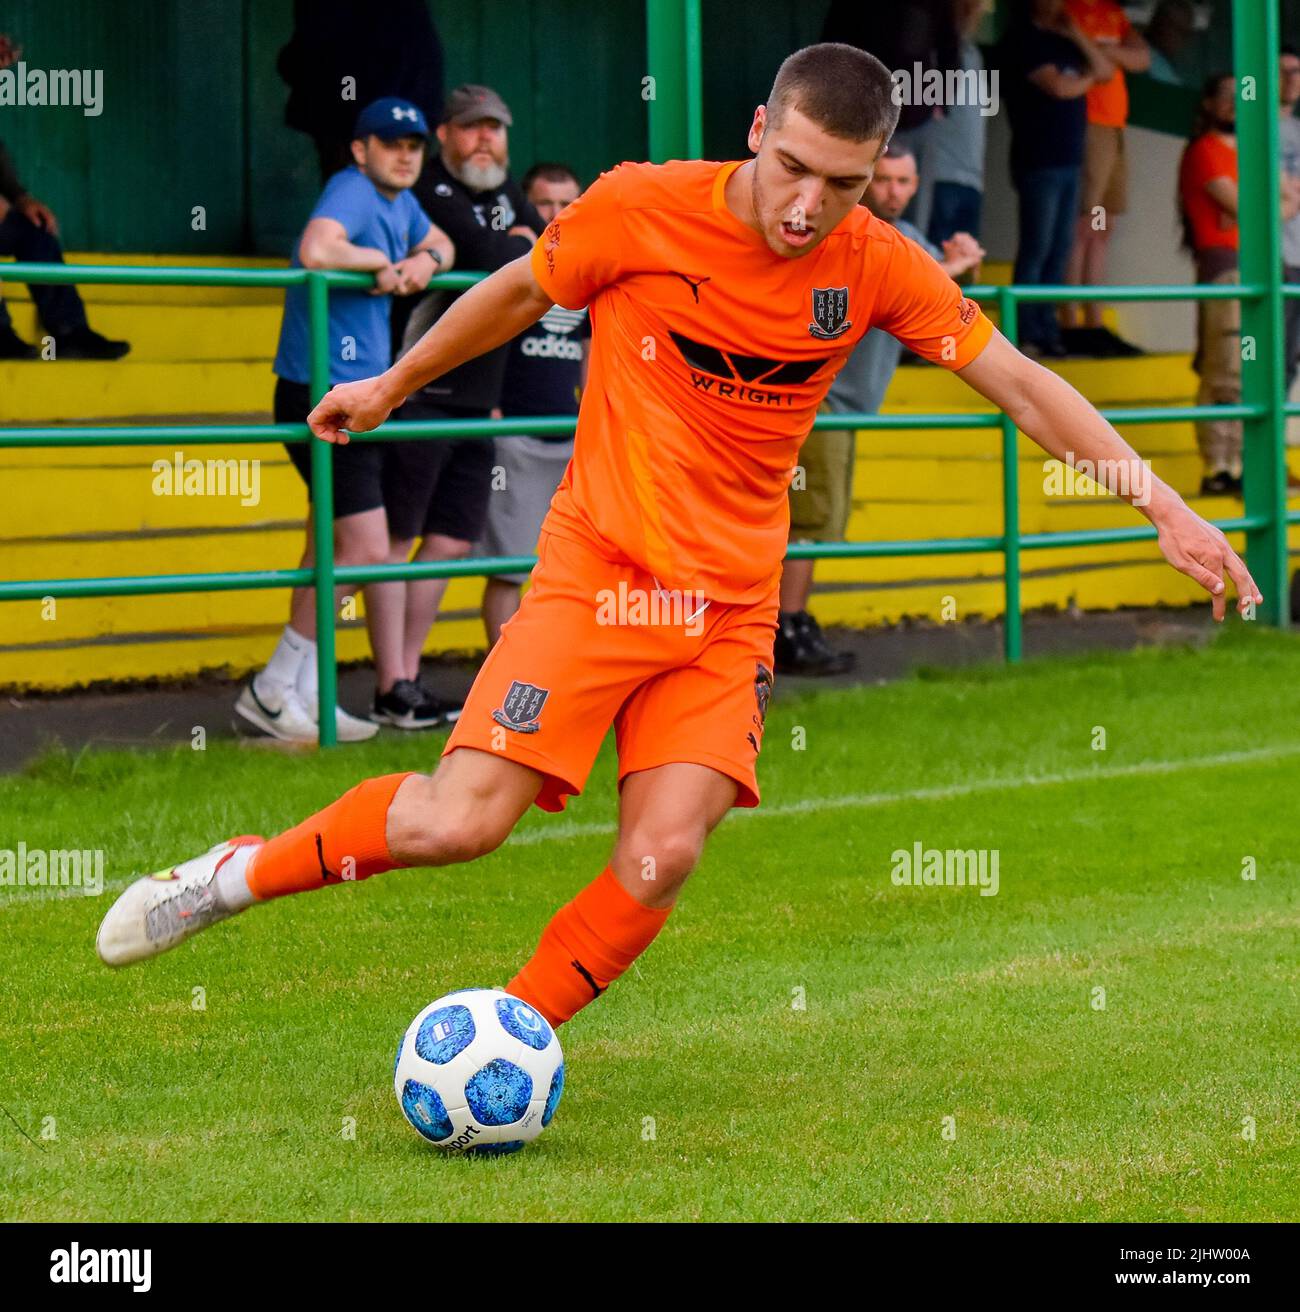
(345, 841)
(587, 945)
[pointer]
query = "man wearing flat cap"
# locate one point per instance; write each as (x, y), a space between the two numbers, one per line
(467, 190)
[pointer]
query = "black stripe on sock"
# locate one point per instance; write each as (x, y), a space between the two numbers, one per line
(596, 990)
(325, 873)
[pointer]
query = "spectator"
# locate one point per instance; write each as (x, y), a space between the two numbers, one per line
(545, 372)
(1168, 34)
(1289, 141)
(30, 233)
(819, 511)
(1207, 190)
(343, 53)
(957, 142)
(1049, 65)
(467, 189)
(903, 34)
(1105, 165)
(366, 220)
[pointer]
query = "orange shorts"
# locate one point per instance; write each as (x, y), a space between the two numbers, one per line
(598, 642)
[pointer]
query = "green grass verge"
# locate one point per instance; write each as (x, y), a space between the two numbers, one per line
(698, 1088)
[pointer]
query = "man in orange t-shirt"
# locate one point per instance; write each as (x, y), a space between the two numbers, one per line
(1103, 192)
(1207, 197)
(723, 300)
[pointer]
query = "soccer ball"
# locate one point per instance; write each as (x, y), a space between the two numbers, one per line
(479, 1071)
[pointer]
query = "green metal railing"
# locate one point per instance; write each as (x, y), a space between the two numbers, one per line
(1263, 409)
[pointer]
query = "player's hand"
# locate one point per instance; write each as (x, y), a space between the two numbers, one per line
(386, 281)
(358, 406)
(1200, 551)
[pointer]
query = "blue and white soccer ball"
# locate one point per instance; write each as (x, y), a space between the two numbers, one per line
(479, 1071)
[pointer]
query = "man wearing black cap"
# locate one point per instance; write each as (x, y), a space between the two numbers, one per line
(368, 221)
(466, 189)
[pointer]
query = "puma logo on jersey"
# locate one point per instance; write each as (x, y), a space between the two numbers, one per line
(694, 284)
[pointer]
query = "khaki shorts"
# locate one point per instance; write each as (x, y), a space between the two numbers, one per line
(1105, 171)
(821, 493)
(1218, 363)
(532, 469)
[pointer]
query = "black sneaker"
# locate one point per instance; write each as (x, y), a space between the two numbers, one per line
(86, 344)
(1053, 348)
(801, 647)
(1110, 346)
(410, 705)
(1220, 484)
(12, 347)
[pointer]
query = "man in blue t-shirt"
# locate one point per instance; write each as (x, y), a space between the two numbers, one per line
(545, 372)
(366, 220)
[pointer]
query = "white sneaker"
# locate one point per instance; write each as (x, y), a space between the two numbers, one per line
(285, 715)
(159, 911)
(279, 712)
(347, 727)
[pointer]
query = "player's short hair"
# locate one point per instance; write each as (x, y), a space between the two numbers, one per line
(844, 90)
(551, 172)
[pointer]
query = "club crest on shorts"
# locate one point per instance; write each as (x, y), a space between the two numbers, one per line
(521, 706)
(830, 309)
(762, 690)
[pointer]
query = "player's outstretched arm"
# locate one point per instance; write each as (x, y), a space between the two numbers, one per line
(488, 315)
(1046, 408)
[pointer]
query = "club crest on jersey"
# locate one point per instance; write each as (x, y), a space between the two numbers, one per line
(830, 310)
(521, 706)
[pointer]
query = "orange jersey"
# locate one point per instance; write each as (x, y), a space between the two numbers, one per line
(1107, 24)
(709, 357)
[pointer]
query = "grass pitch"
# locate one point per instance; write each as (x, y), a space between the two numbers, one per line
(807, 1040)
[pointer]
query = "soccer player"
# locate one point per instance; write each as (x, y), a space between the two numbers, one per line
(724, 298)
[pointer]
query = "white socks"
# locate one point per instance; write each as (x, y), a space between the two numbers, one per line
(231, 887)
(308, 678)
(292, 653)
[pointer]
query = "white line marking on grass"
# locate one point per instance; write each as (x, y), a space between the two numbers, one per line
(564, 830)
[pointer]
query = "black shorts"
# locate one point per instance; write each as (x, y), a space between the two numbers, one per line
(445, 484)
(367, 475)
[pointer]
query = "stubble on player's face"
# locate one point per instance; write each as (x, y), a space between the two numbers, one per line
(804, 180)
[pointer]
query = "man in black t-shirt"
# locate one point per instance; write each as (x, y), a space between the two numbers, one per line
(1049, 65)
(466, 189)
(545, 372)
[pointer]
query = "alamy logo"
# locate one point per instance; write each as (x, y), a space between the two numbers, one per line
(1074, 477)
(75, 1265)
(214, 477)
(955, 86)
(932, 867)
(54, 868)
(23, 87)
(657, 607)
